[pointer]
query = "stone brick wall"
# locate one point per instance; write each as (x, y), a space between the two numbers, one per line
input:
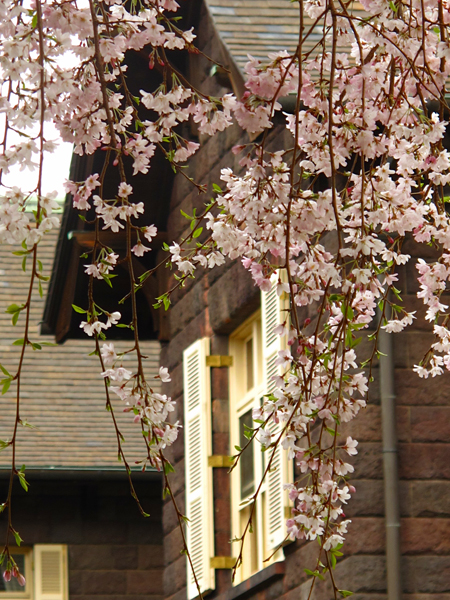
(113, 552)
(214, 304)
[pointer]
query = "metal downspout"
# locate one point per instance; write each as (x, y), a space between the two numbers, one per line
(390, 466)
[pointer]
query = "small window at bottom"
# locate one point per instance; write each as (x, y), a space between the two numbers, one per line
(13, 586)
(11, 590)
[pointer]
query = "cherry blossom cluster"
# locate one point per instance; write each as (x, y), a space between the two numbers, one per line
(95, 326)
(16, 226)
(151, 410)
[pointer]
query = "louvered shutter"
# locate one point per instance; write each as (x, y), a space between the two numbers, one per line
(273, 314)
(197, 439)
(50, 572)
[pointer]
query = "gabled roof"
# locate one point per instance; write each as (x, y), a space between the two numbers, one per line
(62, 390)
(259, 27)
(255, 27)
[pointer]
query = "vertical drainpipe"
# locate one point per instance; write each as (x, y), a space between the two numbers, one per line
(390, 466)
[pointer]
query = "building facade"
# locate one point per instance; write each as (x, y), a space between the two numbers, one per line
(221, 312)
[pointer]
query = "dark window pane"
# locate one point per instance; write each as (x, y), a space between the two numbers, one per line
(246, 461)
(263, 454)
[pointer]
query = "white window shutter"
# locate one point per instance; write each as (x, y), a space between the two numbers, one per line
(50, 572)
(198, 446)
(272, 314)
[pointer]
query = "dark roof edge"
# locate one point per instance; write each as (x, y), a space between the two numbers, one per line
(84, 474)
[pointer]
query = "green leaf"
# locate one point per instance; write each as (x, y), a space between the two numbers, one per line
(345, 593)
(185, 215)
(312, 573)
(5, 371)
(13, 308)
(15, 318)
(16, 533)
(79, 310)
(168, 468)
(6, 385)
(24, 264)
(41, 291)
(19, 342)
(48, 344)
(355, 342)
(2, 508)
(333, 561)
(347, 311)
(107, 279)
(36, 346)
(217, 188)
(197, 232)
(144, 276)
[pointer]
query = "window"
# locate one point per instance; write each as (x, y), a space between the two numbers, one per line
(254, 348)
(246, 393)
(45, 569)
(11, 589)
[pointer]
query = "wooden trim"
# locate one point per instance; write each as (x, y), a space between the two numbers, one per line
(222, 562)
(218, 460)
(215, 360)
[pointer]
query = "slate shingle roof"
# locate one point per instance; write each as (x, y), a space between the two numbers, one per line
(62, 392)
(258, 27)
